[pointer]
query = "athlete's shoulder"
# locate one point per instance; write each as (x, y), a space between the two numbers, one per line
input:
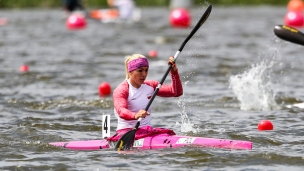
(123, 86)
(152, 83)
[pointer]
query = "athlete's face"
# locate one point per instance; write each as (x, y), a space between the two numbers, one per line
(138, 76)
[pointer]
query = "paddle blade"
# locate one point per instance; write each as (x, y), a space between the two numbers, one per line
(197, 26)
(204, 17)
(126, 141)
(289, 34)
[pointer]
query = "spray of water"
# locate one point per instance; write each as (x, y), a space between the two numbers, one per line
(186, 124)
(254, 88)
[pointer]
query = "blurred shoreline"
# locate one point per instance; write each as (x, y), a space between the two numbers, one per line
(18, 4)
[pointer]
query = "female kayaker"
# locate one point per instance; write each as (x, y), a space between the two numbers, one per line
(133, 94)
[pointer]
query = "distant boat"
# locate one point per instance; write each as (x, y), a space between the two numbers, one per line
(112, 15)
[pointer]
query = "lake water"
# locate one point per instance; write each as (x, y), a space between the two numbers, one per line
(234, 70)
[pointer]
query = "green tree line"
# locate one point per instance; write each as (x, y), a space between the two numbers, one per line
(140, 3)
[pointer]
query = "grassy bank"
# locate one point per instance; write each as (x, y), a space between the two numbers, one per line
(140, 3)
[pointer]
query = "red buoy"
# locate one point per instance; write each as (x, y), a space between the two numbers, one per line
(180, 18)
(76, 22)
(152, 53)
(3, 21)
(294, 19)
(104, 89)
(24, 68)
(265, 125)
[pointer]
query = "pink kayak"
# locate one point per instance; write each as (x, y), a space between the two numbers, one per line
(160, 141)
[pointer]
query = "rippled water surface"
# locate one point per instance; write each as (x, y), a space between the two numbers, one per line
(235, 73)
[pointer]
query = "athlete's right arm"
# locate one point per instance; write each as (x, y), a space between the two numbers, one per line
(120, 99)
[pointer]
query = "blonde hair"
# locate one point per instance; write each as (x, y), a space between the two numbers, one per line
(130, 58)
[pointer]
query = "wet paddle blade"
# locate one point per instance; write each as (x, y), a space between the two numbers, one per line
(197, 26)
(126, 141)
(289, 34)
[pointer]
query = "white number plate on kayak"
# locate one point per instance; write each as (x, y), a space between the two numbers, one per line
(185, 140)
(106, 126)
(138, 143)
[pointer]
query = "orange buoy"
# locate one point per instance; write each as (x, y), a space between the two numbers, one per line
(95, 14)
(104, 89)
(76, 22)
(180, 18)
(294, 19)
(104, 14)
(295, 5)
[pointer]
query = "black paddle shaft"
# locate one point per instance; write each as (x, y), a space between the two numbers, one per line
(197, 26)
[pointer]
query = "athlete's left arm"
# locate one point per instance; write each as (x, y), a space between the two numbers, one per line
(173, 90)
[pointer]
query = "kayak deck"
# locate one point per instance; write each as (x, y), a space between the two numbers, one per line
(158, 142)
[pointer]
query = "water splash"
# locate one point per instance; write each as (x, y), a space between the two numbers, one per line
(186, 124)
(254, 88)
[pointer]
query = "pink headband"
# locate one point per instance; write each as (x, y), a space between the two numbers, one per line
(137, 63)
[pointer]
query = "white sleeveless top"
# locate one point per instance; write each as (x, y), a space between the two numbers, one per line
(137, 100)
